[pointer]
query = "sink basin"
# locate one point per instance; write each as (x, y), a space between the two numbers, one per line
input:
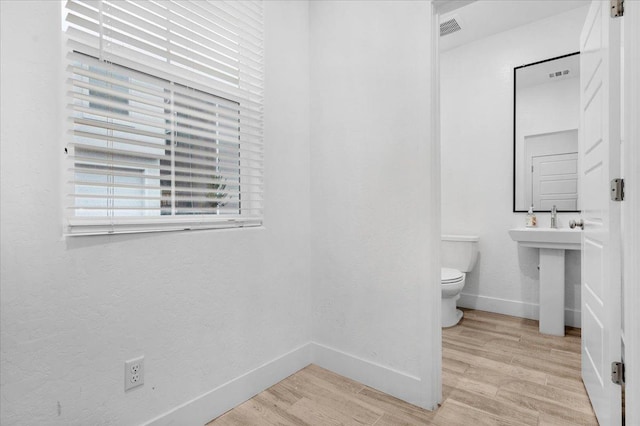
(549, 238)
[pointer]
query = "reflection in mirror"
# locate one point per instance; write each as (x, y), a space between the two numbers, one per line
(546, 114)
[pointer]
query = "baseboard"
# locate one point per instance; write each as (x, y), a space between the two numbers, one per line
(396, 383)
(211, 404)
(514, 308)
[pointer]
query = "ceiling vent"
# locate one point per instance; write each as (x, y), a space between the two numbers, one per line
(450, 26)
(558, 73)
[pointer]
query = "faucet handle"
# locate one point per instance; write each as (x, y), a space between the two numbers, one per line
(573, 223)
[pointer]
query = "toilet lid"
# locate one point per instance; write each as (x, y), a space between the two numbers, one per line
(449, 275)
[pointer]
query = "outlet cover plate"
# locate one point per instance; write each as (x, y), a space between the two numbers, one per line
(133, 373)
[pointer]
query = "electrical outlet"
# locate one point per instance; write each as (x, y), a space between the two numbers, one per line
(133, 373)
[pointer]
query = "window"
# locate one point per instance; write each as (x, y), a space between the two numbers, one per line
(165, 102)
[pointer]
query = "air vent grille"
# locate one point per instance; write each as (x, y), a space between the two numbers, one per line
(558, 73)
(450, 26)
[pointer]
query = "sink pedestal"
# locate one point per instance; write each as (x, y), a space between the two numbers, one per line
(552, 291)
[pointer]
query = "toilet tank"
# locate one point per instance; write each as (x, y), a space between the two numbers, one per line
(459, 252)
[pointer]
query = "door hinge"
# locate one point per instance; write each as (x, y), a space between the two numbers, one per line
(617, 8)
(617, 372)
(617, 190)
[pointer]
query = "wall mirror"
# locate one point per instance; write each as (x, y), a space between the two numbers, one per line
(545, 134)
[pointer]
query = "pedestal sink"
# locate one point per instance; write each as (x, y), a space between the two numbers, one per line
(552, 244)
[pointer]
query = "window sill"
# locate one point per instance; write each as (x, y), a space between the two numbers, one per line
(88, 227)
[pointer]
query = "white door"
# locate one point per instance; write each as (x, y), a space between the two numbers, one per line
(554, 180)
(600, 163)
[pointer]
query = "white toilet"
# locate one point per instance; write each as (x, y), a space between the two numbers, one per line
(459, 254)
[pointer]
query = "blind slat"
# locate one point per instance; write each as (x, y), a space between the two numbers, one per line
(220, 156)
(216, 179)
(150, 156)
(246, 177)
(182, 209)
(221, 196)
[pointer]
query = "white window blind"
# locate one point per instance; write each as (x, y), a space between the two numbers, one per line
(165, 105)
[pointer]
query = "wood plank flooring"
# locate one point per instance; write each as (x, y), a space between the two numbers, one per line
(497, 370)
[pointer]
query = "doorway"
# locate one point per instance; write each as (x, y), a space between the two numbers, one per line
(479, 191)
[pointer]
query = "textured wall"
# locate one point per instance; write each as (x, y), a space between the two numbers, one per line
(371, 182)
(477, 162)
(202, 307)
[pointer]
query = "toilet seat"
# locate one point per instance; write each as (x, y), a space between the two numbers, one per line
(450, 276)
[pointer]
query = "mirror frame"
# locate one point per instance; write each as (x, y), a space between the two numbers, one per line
(515, 69)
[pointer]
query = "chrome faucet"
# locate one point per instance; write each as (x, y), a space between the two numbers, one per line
(554, 217)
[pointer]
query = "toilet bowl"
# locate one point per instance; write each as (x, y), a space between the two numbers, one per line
(452, 282)
(459, 254)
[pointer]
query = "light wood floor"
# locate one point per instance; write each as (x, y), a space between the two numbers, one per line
(497, 370)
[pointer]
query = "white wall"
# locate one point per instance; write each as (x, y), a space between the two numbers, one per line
(374, 283)
(547, 108)
(203, 307)
(477, 163)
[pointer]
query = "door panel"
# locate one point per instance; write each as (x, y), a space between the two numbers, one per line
(593, 119)
(600, 162)
(555, 181)
(594, 346)
(592, 255)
